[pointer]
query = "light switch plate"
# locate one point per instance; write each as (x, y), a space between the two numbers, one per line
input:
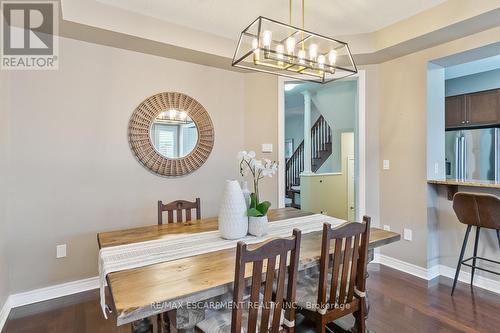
(61, 251)
(386, 165)
(267, 147)
(407, 234)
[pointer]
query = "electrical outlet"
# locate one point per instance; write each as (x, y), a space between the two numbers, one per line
(407, 234)
(386, 165)
(387, 227)
(60, 251)
(436, 168)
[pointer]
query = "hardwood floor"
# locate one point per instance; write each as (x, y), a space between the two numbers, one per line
(398, 303)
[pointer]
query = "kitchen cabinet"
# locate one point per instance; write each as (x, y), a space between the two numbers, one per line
(455, 111)
(483, 108)
(473, 110)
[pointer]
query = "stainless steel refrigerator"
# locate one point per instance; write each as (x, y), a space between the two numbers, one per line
(472, 154)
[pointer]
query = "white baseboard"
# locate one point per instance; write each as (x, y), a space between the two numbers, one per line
(4, 312)
(56, 291)
(44, 294)
(435, 271)
(479, 281)
(402, 266)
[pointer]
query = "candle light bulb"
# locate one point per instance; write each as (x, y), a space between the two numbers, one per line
(255, 47)
(313, 51)
(332, 57)
(171, 113)
(279, 51)
(290, 44)
(267, 38)
(321, 61)
(302, 56)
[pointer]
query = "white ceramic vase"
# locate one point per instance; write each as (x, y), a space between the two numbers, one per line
(258, 226)
(233, 220)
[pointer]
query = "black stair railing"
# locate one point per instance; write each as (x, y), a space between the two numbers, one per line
(321, 149)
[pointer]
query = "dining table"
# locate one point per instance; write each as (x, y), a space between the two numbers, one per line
(134, 294)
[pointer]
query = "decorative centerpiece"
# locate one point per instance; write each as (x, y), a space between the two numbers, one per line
(233, 221)
(257, 211)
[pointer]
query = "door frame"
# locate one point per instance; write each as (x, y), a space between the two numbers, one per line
(360, 148)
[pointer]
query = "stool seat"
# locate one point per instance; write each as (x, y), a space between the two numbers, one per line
(478, 210)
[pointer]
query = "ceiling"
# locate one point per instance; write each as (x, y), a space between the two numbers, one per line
(227, 18)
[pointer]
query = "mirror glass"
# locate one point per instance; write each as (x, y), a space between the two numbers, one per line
(174, 133)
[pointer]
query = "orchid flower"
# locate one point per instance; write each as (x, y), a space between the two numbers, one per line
(258, 168)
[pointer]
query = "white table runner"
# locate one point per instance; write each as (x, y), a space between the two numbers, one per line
(178, 246)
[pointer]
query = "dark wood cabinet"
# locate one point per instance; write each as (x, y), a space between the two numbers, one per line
(483, 108)
(472, 110)
(455, 111)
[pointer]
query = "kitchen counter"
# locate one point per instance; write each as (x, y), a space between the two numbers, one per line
(474, 183)
(453, 184)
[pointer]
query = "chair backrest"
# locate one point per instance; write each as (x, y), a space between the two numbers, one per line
(264, 259)
(178, 207)
(478, 209)
(348, 269)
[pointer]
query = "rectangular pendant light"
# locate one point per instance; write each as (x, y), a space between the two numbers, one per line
(273, 47)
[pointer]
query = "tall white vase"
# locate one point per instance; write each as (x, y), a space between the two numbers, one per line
(233, 220)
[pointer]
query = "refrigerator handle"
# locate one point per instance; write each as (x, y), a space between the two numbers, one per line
(497, 153)
(457, 158)
(464, 158)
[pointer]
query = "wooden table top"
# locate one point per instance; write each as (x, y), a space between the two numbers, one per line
(168, 281)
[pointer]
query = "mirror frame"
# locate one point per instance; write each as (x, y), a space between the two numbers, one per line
(139, 133)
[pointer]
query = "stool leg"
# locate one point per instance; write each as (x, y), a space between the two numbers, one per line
(475, 254)
(459, 265)
(498, 236)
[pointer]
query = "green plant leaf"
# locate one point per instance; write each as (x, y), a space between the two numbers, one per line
(263, 207)
(253, 212)
(253, 200)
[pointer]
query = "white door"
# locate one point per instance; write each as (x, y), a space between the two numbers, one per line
(351, 198)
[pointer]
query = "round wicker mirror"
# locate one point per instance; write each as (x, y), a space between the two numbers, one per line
(164, 158)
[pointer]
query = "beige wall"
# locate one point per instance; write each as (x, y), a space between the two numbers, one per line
(261, 125)
(402, 131)
(73, 173)
(4, 267)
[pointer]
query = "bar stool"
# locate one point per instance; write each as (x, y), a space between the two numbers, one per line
(482, 211)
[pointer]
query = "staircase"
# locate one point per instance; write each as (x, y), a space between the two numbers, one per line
(321, 149)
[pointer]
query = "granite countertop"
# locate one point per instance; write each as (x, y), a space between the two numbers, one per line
(474, 183)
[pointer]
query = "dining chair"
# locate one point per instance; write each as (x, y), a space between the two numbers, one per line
(277, 310)
(167, 321)
(340, 287)
(478, 210)
(178, 206)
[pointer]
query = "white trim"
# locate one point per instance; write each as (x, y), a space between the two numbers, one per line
(479, 280)
(401, 266)
(281, 142)
(56, 291)
(361, 139)
(4, 313)
(435, 271)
